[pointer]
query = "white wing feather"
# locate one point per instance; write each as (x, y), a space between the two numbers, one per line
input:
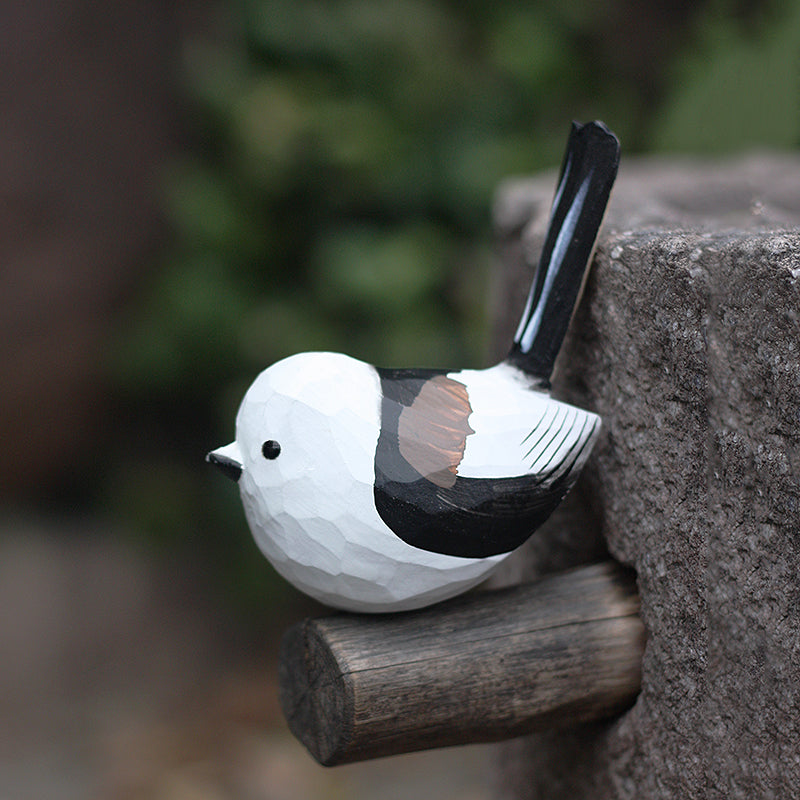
(518, 430)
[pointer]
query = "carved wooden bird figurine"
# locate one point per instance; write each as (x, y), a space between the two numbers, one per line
(389, 489)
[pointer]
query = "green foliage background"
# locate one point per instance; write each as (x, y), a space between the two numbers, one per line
(337, 188)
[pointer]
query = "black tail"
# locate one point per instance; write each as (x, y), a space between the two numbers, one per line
(584, 185)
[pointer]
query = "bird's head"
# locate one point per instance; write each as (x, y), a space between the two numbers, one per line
(306, 434)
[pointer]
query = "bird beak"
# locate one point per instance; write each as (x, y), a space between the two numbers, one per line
(228, 459)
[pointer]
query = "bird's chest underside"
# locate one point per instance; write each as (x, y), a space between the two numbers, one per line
(469, 467)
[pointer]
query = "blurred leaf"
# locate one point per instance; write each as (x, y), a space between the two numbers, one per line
(474, 163)
(426, 339)
(207, 213)
(529, 45)
(158, 495)
(578, 15)
(214, 74)
(269, 120)
(736, 90)
(379, 273)
(296, 29)
(356, 136)
(281, 325)
(187, 331)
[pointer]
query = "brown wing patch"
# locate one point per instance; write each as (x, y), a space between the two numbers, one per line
(433, 430)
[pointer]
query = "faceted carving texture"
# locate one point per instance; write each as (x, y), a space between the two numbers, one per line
(385, 490)
(312, 509)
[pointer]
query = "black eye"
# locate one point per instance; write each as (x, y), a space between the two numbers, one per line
(270, 449)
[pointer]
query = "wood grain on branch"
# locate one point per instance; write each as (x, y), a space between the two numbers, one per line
(489, 666)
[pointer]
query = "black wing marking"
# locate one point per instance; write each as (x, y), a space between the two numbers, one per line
(468, 517)
(475, 518)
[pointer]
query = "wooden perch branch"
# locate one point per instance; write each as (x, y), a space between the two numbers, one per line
(490, 666)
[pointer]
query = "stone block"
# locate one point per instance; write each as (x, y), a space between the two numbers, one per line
(687, 343)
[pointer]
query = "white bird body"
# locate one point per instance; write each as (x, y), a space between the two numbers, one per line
(323, 532)
(325, 536)
(386, 490)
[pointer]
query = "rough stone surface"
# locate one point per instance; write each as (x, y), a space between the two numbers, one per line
(687, 343)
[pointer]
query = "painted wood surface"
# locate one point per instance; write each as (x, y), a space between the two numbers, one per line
(387, 490)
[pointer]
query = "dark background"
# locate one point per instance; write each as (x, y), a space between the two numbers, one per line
(192, 190)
